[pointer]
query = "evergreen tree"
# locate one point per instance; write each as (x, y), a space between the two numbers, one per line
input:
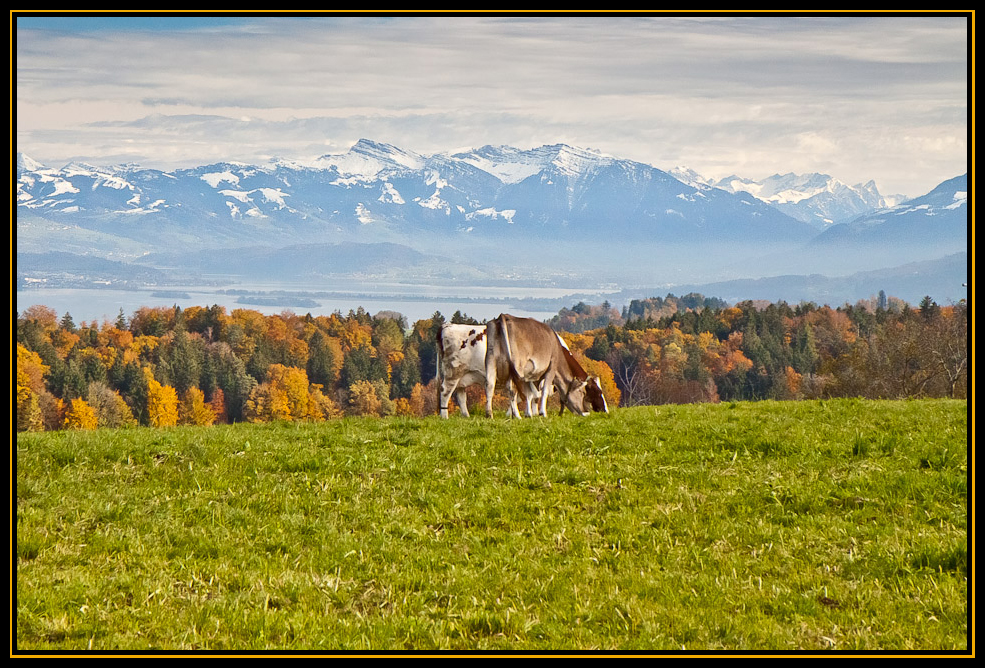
(321, 361)
(460, 318)
(363, 364)
(91, 367)
(929, 308)
(882, 302)
(407, 373)
(425, 336)
(66, 380)
(232, 378)
(804, 356)
(67, 323)
(181, 361)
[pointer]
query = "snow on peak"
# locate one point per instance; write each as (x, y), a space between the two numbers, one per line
(512, 165)
(82, 169)
(368, 158)
(688, 176)
(578, 160)
(787, 188)
(27, 164)
(509, 165)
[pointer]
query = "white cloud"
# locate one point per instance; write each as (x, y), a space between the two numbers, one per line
(865, 97)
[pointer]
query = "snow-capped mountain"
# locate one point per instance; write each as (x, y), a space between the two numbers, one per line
(550, 190)
(924, 228)
(367, 160)
(813, 198)
(555, 207)
(940, 216)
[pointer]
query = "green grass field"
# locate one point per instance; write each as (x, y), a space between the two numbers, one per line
(821, 525)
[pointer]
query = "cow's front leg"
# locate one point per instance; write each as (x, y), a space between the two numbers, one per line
(531, 395)
(545, 385)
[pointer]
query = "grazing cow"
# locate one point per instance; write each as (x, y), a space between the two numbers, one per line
(533, 353)
(462, 362)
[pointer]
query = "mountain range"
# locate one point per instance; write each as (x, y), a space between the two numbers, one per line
(817, 199)
(554, 213)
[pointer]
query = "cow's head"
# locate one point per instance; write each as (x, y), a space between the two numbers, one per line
(593, 391)
(584, 396)
(576, 398)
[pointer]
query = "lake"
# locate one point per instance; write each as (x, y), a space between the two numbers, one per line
(415, 302)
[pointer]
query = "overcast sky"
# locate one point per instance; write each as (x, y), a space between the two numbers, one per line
(882, 98)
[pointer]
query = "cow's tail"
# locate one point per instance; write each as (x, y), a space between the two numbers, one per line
(514, 374)
(438, 372)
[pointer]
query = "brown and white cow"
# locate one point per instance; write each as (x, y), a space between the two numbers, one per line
(533, 353)
(462, 362)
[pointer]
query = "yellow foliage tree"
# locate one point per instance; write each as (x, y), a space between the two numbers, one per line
(30, 383)
(401, 406)
(29, 416)
(285, 396)
(193, 409)
(253, 322)
(111, 409)
(80, 415)
(290, 386)
(791, 390)
(257, 407)
(414, 405)
(29, 363)
(162, 402)
(355, 335)
(142, 344)
(320, 406)
(111, 337)
(417, 403)
(363, 399)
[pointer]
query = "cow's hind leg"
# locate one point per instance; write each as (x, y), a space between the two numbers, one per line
(447, 389)
(490, 388)
(462, 399)
(516, 393)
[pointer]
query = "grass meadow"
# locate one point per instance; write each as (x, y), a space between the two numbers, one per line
(808, 526)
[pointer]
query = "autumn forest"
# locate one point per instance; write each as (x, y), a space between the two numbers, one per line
(204, 365)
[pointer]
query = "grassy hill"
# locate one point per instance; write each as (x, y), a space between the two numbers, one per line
(829, 525)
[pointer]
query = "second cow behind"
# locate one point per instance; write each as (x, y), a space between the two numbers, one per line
(533, 354)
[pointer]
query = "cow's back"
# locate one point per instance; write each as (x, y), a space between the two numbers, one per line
(530, 344)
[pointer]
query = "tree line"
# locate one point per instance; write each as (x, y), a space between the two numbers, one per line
(166, 366)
